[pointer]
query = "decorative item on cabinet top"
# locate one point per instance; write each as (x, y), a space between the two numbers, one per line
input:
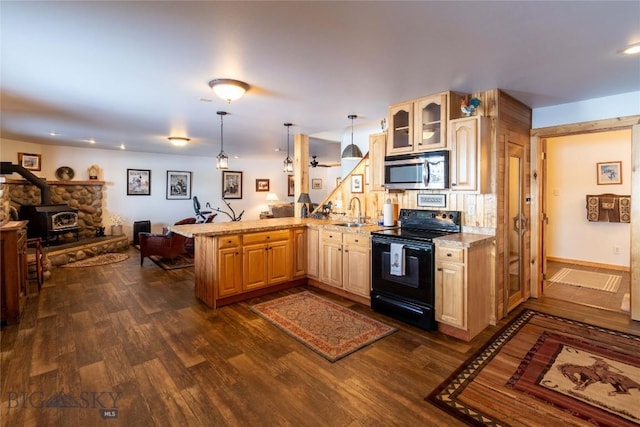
(608, 208)
(469, 106)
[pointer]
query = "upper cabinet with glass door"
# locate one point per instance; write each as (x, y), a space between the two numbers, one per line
(421, 124)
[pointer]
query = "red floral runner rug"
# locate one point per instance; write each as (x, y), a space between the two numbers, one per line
(328, 328)
(544, 370)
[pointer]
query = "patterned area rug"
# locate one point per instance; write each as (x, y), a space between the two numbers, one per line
(543, 370)
(588, 279)
(103, 259)
(328, 328)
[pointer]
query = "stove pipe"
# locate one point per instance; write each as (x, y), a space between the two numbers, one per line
(45, 193)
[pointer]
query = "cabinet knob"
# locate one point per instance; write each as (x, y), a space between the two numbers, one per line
(453, 184)
(439, 269)
(449, 254)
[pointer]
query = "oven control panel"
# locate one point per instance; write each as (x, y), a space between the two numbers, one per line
(431, 219)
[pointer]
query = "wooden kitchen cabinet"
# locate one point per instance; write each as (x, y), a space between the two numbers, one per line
(299, 252)
(356, 260)
(13, 270)
(421, 124)
(377, 152)
(229, 272)
(266, 258)
(400, 128)
(313, 253)
(331, 258)
(345, 261)
(462, 303)
(470, 154)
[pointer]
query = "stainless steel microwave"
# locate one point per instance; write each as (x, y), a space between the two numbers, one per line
(424, 171)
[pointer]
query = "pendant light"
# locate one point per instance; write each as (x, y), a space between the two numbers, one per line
(222, 160)
(288, 163)
(352, 151)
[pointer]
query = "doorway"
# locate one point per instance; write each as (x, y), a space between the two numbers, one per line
(542, 191)
(590, 249)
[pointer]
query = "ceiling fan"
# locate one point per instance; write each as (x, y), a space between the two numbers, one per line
(314, 163)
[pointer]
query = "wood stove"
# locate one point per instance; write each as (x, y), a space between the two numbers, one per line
(50, 221)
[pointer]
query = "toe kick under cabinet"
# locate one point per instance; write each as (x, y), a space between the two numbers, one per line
(463, 288)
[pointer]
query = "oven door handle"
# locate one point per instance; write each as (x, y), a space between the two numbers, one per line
(426, 248)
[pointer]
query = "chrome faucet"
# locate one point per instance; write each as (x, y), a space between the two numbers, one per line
(359, 217)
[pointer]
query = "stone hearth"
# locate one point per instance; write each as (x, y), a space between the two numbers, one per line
(56, 256)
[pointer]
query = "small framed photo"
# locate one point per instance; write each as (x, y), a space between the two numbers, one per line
(138, 182)
(231, 185)
(357, 184)
(178, 185)
(432, 200)
(32, 162)
(262, 185)
(316, 184)
(290, 186)
(609, 173)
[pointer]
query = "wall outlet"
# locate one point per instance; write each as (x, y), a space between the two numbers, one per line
(616, 250)
(471, 209)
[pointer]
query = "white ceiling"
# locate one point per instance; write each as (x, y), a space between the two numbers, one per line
(134, 73)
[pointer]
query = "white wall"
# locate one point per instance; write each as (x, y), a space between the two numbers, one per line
(206, 181)
(571, 175)
(609, 107)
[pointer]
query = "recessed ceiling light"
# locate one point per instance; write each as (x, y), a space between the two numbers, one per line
(122, 147)
(632, 49)
(54, 133)
(90, 141)
(179, 141)
(277, 150)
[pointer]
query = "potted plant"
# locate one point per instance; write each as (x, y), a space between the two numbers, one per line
(116, 225)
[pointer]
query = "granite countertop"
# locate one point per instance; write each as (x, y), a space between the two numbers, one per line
(223, 228)
(465, 240)
(251, 226)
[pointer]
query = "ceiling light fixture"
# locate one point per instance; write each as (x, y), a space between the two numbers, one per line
(632, 49)
(288, 163)
(352, 151)
(222, 160)
(228, 89)
(179, 141)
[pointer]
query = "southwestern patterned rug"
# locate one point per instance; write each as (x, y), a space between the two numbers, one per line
(328, 328)
(543, 370)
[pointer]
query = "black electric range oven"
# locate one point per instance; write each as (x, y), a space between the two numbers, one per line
(408, 294)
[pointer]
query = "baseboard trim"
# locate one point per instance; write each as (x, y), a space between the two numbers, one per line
(590, 264)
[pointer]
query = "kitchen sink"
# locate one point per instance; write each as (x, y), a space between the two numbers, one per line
(351, 224)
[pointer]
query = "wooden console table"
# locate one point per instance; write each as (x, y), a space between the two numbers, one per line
(13, 271)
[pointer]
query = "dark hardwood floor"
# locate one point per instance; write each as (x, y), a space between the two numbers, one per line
(137, 336)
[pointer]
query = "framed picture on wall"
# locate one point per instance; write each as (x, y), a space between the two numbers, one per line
(178, 185)
(262, 185)
(316, 184)
(357, 184)
(609, 173)
(290, 186)
(231, 185)
(138, 182)
(32, 162)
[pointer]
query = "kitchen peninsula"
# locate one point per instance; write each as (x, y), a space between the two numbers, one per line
(235, 261)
